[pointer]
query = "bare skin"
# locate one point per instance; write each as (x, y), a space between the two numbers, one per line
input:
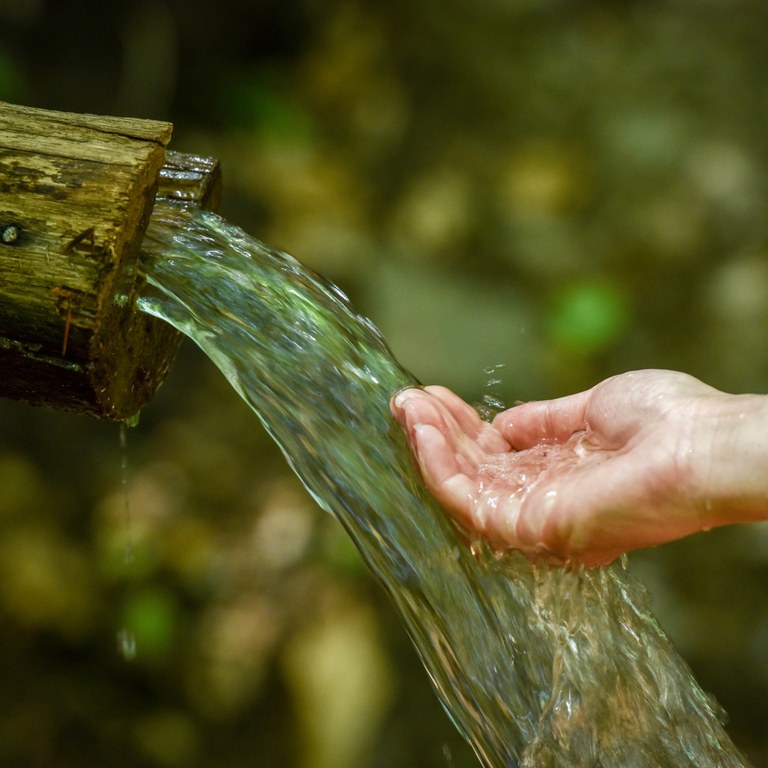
(638, 460)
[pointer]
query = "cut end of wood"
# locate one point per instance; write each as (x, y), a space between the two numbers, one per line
(77, 193)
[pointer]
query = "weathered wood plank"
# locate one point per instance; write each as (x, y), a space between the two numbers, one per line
(54, 123)
(76, 192)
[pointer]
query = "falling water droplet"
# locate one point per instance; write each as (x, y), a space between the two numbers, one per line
(126, 644)
(491, 403)
(128, 553)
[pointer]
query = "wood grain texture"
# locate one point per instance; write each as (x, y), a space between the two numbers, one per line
(76, 192)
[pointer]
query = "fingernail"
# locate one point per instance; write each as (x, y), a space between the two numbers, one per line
(402, 396)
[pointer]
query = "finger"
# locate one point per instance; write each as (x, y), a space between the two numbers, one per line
(466, 416)
(419, 407)
(487, 437)
(533, 423)
(415, 406)
(399, 399)
(441, 471)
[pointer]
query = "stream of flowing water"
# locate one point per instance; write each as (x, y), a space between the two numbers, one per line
(537, 667)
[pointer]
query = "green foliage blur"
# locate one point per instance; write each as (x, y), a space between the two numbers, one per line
(526, 196)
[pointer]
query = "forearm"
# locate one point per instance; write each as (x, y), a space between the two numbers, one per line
(731, 470)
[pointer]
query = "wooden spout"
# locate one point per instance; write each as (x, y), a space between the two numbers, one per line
(76, 193)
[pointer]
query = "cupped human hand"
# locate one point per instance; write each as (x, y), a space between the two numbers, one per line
(640, 459)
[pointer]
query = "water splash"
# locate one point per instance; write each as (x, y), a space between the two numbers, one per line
(537, 668)
(491, 403)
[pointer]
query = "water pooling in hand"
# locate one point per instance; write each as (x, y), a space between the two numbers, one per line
(537, 668)
(506, 480)
(520, 469)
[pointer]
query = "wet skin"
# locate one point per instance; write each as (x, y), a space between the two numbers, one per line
(640, 459)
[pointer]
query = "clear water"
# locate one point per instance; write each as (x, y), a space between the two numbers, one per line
(536, 667)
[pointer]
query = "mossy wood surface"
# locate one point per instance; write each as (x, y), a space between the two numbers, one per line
(76, 192)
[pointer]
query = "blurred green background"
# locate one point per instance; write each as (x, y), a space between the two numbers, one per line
(526, 196)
